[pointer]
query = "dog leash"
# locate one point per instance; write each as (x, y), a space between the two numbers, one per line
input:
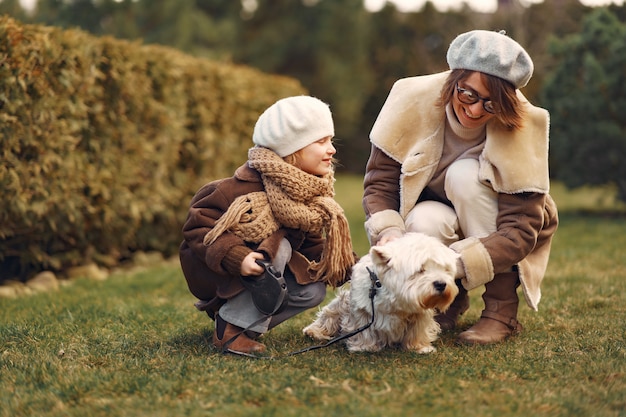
(373, 290)
(372, 293)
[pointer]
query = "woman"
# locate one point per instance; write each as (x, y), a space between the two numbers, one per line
(463, 156)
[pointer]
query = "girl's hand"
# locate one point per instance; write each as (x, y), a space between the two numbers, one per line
(249, 266)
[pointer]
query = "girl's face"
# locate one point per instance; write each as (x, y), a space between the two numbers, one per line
(317, 158)
(472, 115)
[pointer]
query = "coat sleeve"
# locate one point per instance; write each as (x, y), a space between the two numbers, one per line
(381, 196)
(521, 217)
(381, 185)
(224, 256)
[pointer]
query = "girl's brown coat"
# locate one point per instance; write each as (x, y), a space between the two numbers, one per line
(212, 272)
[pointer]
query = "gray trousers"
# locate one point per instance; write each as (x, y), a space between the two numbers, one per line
(240, 310)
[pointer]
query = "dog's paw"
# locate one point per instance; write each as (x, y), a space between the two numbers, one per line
(316, 332)
(364, 342)
(426, 349)
(363, 348)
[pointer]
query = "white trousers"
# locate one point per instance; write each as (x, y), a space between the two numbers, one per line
(475, 207)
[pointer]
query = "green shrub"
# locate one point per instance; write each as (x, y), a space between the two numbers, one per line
(105, 141)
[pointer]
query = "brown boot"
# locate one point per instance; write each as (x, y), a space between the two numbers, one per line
(499, 318)
(448, 320)
(225, 331)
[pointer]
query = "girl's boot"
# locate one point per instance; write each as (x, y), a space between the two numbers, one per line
(225, 331)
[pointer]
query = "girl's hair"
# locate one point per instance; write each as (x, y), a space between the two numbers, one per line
(292, 159)
(501, 92)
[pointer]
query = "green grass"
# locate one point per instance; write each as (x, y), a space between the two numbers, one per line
(133, 345)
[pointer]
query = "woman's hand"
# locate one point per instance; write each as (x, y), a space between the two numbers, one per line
(249, 265)
(385, 239)
(392, 233)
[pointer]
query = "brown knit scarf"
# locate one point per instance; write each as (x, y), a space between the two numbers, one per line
(293, 199)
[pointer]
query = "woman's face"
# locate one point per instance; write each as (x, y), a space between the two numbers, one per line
(317, 158)
(472, 115)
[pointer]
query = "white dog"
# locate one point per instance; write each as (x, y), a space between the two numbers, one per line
(416, 274)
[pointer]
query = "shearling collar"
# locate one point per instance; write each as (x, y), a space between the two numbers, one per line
(410, 129)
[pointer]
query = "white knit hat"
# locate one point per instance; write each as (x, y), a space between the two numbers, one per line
(292, 123)
(493, 53)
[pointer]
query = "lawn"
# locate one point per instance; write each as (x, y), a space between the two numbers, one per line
(133, 345)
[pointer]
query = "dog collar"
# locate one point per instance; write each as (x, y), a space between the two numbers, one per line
(375, 282)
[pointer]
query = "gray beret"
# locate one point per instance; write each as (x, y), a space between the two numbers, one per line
(493, 53)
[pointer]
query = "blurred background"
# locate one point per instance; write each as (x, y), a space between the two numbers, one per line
(349, 52)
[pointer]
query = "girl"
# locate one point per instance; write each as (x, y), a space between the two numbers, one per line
(277, 207)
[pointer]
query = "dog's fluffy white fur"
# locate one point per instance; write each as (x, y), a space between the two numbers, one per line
(416, 274)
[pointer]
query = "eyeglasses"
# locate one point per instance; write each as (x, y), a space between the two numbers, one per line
(470, 97)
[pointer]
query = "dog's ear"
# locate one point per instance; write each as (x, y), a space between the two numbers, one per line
(381, 255)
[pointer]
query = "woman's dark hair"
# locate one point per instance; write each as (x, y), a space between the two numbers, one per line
(501, 92)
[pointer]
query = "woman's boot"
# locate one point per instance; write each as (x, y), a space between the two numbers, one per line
(448, 320)
(499, 318)
(225, 331)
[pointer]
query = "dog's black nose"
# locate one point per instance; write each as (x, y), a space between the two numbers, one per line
(439, 286)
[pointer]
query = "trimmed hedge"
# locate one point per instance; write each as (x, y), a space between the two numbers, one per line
(105, 141)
